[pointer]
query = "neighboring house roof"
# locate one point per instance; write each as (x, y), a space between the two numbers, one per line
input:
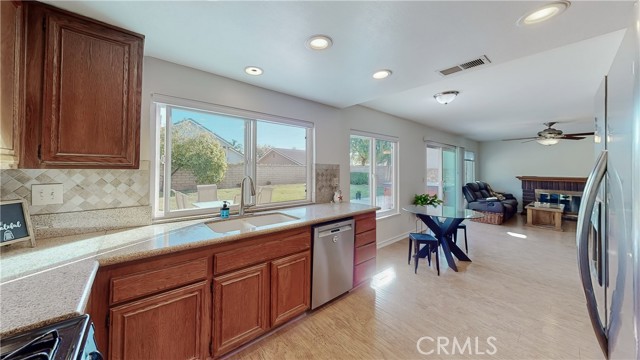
(192, 127)
(295, 156)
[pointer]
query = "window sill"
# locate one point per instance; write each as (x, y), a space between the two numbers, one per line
(234, 211)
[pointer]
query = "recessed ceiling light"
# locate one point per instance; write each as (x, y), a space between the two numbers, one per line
(381, 74)
(544, 13)
(253, 70)
(319, 42)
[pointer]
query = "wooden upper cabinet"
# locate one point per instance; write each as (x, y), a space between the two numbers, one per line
(11, 35)
(83, 92)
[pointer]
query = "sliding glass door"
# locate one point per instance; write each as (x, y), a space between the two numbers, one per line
(441, 173)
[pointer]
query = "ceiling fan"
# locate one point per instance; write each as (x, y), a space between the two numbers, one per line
(551, 136)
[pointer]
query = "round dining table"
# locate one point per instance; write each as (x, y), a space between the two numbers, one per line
(443, 221)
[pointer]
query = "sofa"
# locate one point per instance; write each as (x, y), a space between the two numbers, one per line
(497, 207)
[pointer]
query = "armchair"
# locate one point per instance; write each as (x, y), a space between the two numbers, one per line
(481, 197)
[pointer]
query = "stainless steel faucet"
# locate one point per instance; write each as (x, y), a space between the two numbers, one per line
(253, 193)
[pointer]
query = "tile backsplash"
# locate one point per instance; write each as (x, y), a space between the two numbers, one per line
(84, 189)
(106, 199)
(326, 174)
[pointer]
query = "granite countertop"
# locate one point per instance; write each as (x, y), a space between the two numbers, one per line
(52, 282)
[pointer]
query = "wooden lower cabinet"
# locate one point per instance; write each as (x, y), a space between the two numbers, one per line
(365, 250)
(241, 307)
(201, 303)
(290, 289)
(171, 325)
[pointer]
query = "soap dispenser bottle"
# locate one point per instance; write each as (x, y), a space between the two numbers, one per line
(224, 211)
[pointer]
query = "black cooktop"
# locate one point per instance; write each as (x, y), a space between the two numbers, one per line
(62, 340)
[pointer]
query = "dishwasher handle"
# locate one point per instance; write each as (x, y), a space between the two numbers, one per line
(335, 231)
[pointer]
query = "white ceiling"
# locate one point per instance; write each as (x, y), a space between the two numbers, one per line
(546, 72)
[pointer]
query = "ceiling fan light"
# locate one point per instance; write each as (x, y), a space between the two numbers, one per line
(446, 97)
(547, 142)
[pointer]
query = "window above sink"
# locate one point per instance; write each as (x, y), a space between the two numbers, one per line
(206, 150)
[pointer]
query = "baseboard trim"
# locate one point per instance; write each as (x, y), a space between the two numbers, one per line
(392, 240)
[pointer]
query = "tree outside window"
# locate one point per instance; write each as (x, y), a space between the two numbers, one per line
(369, 184)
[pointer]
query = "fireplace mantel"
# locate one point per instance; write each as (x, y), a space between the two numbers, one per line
(553, 179)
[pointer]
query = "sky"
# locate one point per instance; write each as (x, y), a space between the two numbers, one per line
(232, 128)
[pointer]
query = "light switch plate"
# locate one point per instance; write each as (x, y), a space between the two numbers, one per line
(46, 194)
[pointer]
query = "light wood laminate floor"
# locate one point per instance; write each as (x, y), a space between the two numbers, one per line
(524, 292)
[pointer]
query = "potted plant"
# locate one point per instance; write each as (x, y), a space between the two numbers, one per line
(426, 199)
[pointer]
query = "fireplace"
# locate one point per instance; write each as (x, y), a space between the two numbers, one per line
(570, 199)
(563, 190)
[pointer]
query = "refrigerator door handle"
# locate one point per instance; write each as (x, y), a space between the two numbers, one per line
(582, 240)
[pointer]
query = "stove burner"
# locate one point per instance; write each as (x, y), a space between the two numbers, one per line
(41, 348)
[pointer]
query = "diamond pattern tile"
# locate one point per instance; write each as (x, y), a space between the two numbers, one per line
(325, 173)
(84, 189)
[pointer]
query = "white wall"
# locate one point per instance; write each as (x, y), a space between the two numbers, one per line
(162, 77)
(332, 126)
(412, 153)
(501, 161)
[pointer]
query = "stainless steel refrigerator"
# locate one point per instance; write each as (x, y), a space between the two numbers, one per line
(608, 229)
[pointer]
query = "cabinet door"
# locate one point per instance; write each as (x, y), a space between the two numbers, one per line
(171, 325)
(241, 307)
(290, 289)
(10, 31)
(90, 91)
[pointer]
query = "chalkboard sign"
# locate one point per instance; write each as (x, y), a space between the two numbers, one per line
(15, 223)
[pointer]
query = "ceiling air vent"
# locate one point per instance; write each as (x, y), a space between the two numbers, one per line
(464, 66)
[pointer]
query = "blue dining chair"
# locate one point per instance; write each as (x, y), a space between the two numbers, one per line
(455, 236)
(428, 240)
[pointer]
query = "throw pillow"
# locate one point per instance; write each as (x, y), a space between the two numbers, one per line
(498, 195)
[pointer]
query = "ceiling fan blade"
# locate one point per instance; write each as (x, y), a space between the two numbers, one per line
(580, 134)
(573, 138)
(526, 138)
(534, 139)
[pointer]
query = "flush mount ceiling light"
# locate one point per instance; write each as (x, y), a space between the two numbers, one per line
(381, 74)
(544, 13)
(319, 42)
(446, 97)
(253, 70)
(547, 142)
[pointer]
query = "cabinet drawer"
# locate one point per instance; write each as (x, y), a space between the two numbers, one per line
(364, 253)
(366, 238)
(365, 222)
(148, 282)
(249, 255)
(364, 271)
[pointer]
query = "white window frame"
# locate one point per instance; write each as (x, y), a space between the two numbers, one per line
(472, 160)
(251, 117)
(372, 169)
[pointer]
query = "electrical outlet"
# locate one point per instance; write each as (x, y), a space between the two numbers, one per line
(45, 194)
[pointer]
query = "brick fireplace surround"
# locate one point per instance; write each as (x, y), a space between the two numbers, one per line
(532, 183)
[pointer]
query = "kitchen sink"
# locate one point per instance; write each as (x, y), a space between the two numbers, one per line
(249, 223)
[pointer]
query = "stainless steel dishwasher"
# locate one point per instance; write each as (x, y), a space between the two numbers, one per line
(332, 261)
